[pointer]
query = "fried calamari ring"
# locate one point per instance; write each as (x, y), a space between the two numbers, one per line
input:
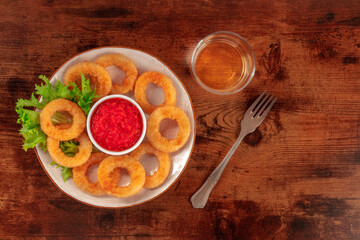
(59, 132)
(82, 180)
(85, 148)
(97, 74)
(134, 168)
(124, 64)
(159, 79)
(153, 181)
(154, 136)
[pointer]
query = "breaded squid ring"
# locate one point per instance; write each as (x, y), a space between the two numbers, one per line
(59, 132)
(155, 180)
(134, 168)
(85, 148)
(82, 180)
(97, 74)
(159, 79)
(124, 64)
(154, 136)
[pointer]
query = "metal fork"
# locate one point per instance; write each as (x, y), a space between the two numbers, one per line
(252, 119)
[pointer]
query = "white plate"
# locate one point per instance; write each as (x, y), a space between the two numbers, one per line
(144, 62)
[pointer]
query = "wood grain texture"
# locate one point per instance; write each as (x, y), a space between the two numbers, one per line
(296, 177)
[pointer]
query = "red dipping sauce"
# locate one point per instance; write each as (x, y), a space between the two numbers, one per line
(116, 124)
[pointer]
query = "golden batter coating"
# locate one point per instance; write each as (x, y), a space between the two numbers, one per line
(80, 157)
(82, 180)
(124, 64)
(154, 136)
(97, 74)
(162, 81)
(59, 132)
(134, 168)
(155, 180)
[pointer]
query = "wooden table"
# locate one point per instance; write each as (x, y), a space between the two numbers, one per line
(296, 177)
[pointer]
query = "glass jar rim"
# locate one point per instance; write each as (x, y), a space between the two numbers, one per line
(201, 45)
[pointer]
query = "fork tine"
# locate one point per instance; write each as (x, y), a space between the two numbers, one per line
(267, 110)
(251, 108)
(258, 113)
(256, 110)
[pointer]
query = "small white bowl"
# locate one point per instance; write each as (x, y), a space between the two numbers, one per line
(88, 121)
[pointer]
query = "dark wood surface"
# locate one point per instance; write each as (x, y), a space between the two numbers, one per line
(296, 177)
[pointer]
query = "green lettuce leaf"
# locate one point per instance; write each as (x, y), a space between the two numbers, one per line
(32, 102)
(30, 119)
(30, 130)
(45, 90)
(69, 148)
(84, 96)
(66, 173)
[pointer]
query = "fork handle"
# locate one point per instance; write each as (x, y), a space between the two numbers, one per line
(200, 197)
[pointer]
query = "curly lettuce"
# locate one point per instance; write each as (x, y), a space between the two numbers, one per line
(30, 119)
